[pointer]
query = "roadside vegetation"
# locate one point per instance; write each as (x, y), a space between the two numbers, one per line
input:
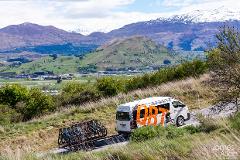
(40, 134)
(224, 62)
(22, 104)
(214, 139)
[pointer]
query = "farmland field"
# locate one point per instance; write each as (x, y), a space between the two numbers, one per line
(46, 84)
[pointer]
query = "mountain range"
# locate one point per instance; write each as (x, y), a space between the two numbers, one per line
(194, 31)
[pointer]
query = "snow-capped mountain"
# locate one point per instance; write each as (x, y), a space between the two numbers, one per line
(217, 15)
(192, 31)
(220, 14)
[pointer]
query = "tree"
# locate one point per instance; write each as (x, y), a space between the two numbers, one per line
(224, 62)
(12, 94)
(38, 104)
(109, 87)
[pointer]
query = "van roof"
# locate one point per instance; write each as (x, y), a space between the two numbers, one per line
(149, 100)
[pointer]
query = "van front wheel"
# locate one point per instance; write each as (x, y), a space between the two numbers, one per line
(180, 121)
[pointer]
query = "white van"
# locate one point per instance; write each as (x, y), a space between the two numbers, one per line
(150, 111)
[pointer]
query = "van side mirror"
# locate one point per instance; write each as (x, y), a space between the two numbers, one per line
(177, 104)
(182, 105)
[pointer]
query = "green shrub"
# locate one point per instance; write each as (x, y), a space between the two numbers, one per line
(150, 132)
(207, 125)
(235, 121)
(38, 104)
(109, 86)
(12, 94)
(144, 133)
(73, 88)
(84, 96)
(184, 70)
(76, 93)
(23, 104)
(174, 132)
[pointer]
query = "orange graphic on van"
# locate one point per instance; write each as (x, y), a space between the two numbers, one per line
(149, 115)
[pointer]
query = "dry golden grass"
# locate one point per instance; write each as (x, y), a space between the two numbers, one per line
(41, 133)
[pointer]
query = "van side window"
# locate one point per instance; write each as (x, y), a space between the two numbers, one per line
(142, 113)
(165, 106)
(177, 104)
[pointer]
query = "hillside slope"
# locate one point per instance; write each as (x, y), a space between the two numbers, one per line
(60, 65)
(28, 34)
(25, 140)
(136, 52)
(41, 134)
(43, 39)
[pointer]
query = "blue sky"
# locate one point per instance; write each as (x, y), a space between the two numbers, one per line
(87, 16)
(148, 6)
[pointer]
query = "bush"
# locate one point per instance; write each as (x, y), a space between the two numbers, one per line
(109, 86)
(84, 96)
(150, 132)
(27, 104)
(73, 88)
(76, 93)
(23, 104)
(38, 104)
(144, 133)
(207, 125)
(174, 132)
(184, 70)
(12, 94)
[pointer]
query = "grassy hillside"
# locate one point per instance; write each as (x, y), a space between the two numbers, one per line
(134, 52)
(41, 134)
(24, 140)
(129, 52)
(137, 52)
(62, 64)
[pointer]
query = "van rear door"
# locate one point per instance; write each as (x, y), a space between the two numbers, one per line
(123, 121)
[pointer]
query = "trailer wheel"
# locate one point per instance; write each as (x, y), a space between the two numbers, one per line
(180, 121)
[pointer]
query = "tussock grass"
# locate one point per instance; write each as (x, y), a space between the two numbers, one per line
(214, 144)
(221, 143)
(41, 133)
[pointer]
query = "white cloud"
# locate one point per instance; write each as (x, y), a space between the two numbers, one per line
(177, 3)
(94, 15)
(69, 15)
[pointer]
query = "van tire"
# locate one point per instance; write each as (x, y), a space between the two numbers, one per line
(180, 121)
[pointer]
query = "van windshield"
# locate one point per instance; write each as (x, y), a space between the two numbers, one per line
(122, 116)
